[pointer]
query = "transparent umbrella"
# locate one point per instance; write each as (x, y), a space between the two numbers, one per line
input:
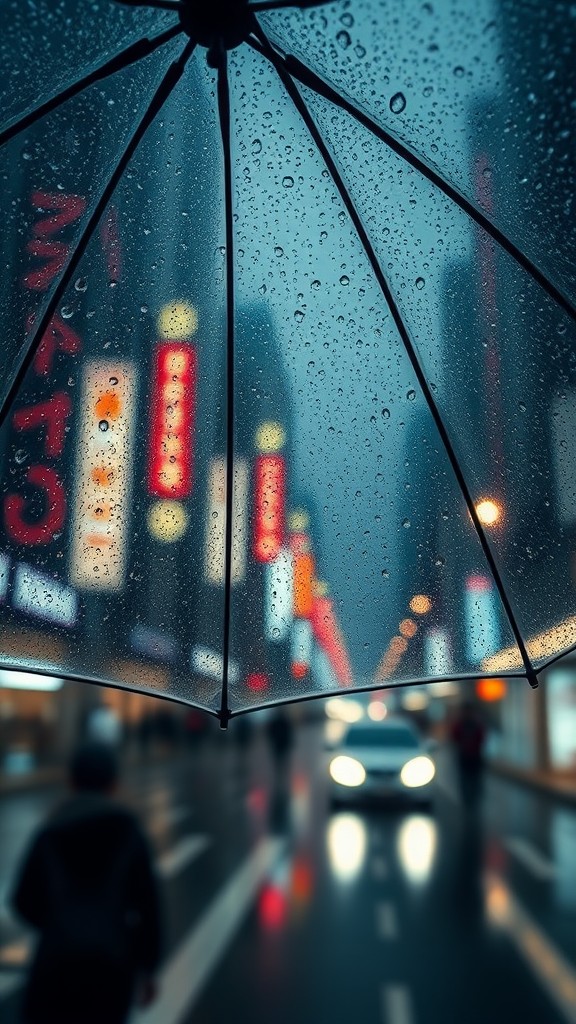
(289, 391)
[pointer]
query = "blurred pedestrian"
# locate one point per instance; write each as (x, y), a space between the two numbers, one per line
(468, 736)
(87, 886)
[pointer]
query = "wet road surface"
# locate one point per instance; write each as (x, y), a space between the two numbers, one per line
(280, 908)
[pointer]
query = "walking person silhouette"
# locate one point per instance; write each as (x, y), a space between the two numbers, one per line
(87, 886)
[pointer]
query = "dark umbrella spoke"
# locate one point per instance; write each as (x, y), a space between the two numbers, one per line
(303, 74)
(296, 97)
(138, 51)
(225, 128)
(32, 343)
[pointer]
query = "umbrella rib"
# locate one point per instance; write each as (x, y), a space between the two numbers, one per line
(31, 345)
(298, 101)
(223, 91)
(139, 50)
(303, 74)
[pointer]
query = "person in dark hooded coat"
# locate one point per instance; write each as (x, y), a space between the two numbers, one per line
(87, 886)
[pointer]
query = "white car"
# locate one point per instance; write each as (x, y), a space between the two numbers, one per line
(382, 761)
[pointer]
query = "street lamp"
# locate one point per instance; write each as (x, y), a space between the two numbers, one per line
(489, 512)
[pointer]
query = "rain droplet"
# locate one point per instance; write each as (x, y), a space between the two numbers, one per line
(344, 280)
(386, 414)
(143, 309)
(406, 524)
(398, 103)
(262, 289)
(420, 282)
(298, 316)
(67, 312)
(103, 426)
(385, 573)
(522, 406)
(343, 38)
(359, 51)
(315, 285)
(26, 155)
(256, 146)
(20, 456)
(439, 561)
(347, 20)
(278, 250)
(113, 380)
(459, 71)
(411, 395)
(81, 284)
(288, 182)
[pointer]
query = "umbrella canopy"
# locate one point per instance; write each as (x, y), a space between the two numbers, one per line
(288, 400)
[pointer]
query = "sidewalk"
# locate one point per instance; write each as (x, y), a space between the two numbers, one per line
(561, 788)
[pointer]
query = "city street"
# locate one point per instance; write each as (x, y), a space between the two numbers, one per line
(278, 908)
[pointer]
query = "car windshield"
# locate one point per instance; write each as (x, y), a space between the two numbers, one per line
(393, 737)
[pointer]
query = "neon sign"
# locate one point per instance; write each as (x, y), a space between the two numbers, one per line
(102, 499)
(270, 489)
(36, 514)
(174, 378)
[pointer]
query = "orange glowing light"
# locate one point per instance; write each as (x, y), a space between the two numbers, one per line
(489, 512)
(420, 604)
(102, 475)
(299, 669)
(398, 644)
(408, 628)
(491, 689)
(108, 406)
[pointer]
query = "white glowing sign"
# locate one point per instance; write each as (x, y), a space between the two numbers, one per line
(39, 595)
(101, 509)
(278, 596)
(4, 575)
(210, 663)
(215, 541)
(28, 681)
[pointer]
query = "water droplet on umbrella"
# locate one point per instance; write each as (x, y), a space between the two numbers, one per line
(67, 312)
(522, 406)
(420, 282)
(411, 395)
(459, 71)
(256, 146)
(103, 426)
(20, 456)
(406, 524)
(113, 380)
(26, 155)
(288, 182)
(359, 51)
(315, 285)
(262, 289)
(398, 103)
(344, 39)
(278, 250)
(439, 561)
(81, 284)
(385, 573)
(347, 20)
(143, 309)
(298, 316)
(386, 414)
(221, 250)
(344, 280)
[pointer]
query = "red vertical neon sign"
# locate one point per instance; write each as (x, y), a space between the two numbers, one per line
(170, 454)
(270, 491)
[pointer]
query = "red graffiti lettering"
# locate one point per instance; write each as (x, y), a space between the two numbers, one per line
(55, 254)
(69, 209)
(59, 337)
(41, 532)
(50, 415)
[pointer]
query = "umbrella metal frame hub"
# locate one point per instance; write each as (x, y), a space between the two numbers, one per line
(216, 24)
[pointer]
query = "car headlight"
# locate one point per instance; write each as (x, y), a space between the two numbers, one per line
(419, 771)
(347, 771)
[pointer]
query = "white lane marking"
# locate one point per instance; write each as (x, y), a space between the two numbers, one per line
(379, 869)
(555, 974)
(182, 854)
(386, 921)
(188, 970)
(396, 1005)
(531, 858)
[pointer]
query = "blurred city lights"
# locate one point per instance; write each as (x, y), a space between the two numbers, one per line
(414, 700)
(270, 437)
(408, 628)
(420, 604)
(167, 521)
(298, 520)
(491, 690)
(377, 711)
(177, 321)
(257, 682)
(344, 709)
(347, 842)
(489, 512)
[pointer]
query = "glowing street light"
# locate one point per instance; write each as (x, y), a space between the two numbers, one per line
(489, 512)
(420, 604)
